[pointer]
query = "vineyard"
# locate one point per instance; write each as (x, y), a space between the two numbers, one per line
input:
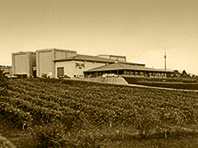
(65, 113)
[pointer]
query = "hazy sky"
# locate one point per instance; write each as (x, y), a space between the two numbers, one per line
(142, 30)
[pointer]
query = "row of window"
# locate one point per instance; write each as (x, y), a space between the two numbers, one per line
(60, 72)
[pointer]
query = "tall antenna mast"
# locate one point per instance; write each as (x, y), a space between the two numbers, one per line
(165, 60)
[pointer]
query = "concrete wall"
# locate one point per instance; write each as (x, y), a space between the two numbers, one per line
(45, 60)
(104, 56)
(76, 68)
(22, 63)
(33, 59)
(61, 54)
(117, 58)
(43, 63)
(113, 57)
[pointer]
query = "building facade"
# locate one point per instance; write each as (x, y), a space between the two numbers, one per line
(23, 63)
(126, 69)
(113, 57)
(75, 66)
(45, 64)
(56, 63)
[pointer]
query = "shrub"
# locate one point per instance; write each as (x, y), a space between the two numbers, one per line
(3, 83)
(50, 135)
(146, 121)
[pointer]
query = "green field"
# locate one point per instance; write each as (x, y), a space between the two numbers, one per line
(66, 113)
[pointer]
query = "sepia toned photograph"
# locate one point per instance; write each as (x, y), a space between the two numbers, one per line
(98, 73)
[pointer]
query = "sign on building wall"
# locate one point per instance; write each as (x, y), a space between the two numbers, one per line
(80, 65)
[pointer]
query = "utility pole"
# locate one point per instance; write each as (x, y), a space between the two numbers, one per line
(165, 60)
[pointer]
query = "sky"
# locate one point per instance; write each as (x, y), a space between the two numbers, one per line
(141, 30)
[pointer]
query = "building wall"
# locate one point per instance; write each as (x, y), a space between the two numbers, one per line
(60, 54)
(45, 63)
(104, 56)
(114, 57)
(22, 63)
(32, 62)
(118, 58)
(33, 59)
(76, 68)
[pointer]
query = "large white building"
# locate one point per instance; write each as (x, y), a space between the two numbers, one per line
(55, 63)
(45, 64)
(76, 65)
(24, 63)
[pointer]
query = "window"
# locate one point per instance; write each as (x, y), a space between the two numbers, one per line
(60, 71)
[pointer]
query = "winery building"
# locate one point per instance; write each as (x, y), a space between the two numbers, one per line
(24, 64)
(55, 63)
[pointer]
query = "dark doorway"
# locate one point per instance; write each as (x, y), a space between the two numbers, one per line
(60, 71)
(34, 73)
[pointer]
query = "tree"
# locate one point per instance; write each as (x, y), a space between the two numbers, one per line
(176, 73)
(184, 74)
(3, 83)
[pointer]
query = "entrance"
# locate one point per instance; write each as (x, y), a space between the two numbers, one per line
(34, 73)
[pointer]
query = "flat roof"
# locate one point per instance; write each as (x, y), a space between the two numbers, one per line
(49, 49)
(132, 63)
(80, 57)
(112, 55)
(122, 66)
(24, 52)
